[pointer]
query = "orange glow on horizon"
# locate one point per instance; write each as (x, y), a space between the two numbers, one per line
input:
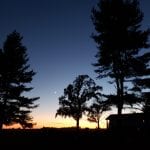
(50, 121)
(69, 122)
(60, 122)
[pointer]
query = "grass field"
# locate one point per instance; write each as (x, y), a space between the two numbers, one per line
(70, 138)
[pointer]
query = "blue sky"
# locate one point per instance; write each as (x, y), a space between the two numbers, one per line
(57, 36)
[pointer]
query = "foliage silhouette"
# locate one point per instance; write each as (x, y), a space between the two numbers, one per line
(73, 102)
(119, 40)
(141, 88)
(95, 111)
(15, 74)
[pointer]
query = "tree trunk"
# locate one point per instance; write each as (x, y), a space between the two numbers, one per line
(120, 94)
(1, 118)
(120, 105)
(98, 124)
(1, 125)
(120, 101)
(119, 109)
(77, 123)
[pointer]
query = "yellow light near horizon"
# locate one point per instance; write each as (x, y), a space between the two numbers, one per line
(59, 122)
(46, 120)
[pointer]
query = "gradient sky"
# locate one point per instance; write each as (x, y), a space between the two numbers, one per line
(57, 36)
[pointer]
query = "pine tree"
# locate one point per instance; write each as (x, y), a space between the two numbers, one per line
(15, 74)
(119, 39)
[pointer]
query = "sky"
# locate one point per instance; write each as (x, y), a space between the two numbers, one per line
(56, 34)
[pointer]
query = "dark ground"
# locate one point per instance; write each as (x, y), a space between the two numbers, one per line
(71, 138)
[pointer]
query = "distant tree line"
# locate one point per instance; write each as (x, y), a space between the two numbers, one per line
(121, 57)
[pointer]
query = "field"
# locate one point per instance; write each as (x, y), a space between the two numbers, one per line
(70, 138)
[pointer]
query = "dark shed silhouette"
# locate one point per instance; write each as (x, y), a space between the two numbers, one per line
(126, 121)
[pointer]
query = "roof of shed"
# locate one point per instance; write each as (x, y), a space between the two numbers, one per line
(123, 116)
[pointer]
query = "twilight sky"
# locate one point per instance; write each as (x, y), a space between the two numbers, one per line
(57, 36)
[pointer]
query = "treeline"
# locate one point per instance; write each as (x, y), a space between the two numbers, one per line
(121, 57)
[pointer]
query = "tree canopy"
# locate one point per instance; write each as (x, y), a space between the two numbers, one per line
(120, 40)
(98, 106)
(73, 103)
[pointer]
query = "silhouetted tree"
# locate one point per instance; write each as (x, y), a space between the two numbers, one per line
(119, 39)
(15, 75)
(142, 87)
(142, 84)
(95, 111)
(25, 120)
(73, 102)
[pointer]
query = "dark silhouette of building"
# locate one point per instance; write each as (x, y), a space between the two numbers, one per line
(134, 121)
